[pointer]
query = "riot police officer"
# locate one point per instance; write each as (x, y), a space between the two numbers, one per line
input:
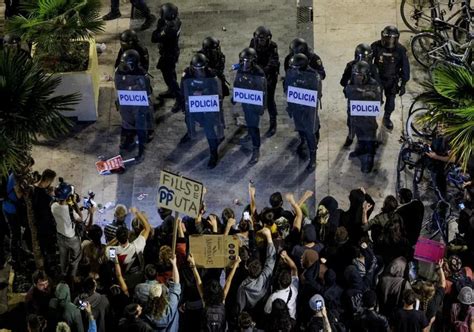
(301, 75)
(363, 52)
(248, 66)
(394, 68)
(128, 41)
(138, 4)
(363, 87)
(211, 48)
(267, 59)
(299, 45)
(166, 36)
(212, 122)
(136, 120)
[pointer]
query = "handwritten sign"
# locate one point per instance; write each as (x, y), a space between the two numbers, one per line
(132, 98)
(179, 194)
(247, 96)
(214, 251)
(302, 96)
(364, 108)
(198, 104)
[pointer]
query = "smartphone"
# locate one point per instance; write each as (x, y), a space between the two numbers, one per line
(319, 305)
(112, 253)
(246, 215)
(461, 206)
(82, 304)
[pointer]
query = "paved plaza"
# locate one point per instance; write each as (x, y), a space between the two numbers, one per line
(337, 28)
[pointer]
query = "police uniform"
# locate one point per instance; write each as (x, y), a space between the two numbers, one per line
(217, 64)
(314, 62)
(144, 57)
(393, 67)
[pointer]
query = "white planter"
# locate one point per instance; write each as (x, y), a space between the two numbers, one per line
(87, 84)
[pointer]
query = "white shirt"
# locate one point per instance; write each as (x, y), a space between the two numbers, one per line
(64, 224)
(284, 294)
(128, 254)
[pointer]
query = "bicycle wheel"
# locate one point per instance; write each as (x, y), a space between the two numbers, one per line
(461, 29)
(401, 176)
(427, 47)
(415, 129)
(416, 14)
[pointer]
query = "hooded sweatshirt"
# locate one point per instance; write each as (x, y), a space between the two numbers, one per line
(64, 310)
(352, 218)
(100, 309)
(325, 231)
(392, 285)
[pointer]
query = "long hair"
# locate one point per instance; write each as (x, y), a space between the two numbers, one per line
(157, 306)
(279, 319)
(213, 293)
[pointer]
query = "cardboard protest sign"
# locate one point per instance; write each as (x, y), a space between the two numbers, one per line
(179, 194)
(429, 251)
(214, 251)
(364, 108)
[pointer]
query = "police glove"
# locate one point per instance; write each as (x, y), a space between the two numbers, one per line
(401, 90)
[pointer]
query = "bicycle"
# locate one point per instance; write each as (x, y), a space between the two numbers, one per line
(414, 128)
(429, 47)
(419, 15)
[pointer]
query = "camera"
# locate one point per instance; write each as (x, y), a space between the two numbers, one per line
(82, 304)
(112, 254)
(89, 200)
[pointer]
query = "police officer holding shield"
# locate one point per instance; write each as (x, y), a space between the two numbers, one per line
(203, 103)
(302, 84)
(299, 45)
(211, 48)
(363, 52)
(394, 68)
(363, 87)
(267, 59)
(250, 77)
(133, 89)
(166, 36)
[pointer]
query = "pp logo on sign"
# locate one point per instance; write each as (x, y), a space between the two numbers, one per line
(165, 195)
(364, 108)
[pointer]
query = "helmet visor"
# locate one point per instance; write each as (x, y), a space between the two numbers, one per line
(246, 64)
(389, 41)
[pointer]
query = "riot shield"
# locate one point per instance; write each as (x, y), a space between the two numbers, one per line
(203, 99)
(133, 102)
(250, 92)
(302, 93)
(363, 108)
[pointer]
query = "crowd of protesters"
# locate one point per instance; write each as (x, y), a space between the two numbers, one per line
(337, 270)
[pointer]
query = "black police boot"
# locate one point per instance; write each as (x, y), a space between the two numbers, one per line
(213, 160)
(356, 153)
(166, 94)
(141, 154)
(111, 16)
(367, 163)
(273, 127)
(149, 20)
(255, 156)
(176, 107)
(127, 143)
(312, 161)
(348, 142)
(301, 149)
(387, 122)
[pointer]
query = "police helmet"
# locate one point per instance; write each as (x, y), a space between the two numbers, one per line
(168, 11)
(130, 60)
(199, 61)
(210, 43)
(390, 35)
(299, 61)
(247, 58)
(360, 72)
(128, 38)
(363, 52)
(299, 45)
(262, 36)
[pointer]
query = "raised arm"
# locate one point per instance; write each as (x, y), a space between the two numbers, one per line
(121, 280)
(305, 197)
(299, 214)
(175, 273)
(228, 281)
(197, 277)
(288, 261)
(144, 221)
(230, 223)
(271, 253)
(253, 205)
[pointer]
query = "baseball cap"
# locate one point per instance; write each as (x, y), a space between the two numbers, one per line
(314, 300)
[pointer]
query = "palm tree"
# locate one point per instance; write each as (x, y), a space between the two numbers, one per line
(52, 26)
(450, 96)
(27, 110)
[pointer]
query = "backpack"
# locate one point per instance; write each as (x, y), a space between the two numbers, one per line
(214, 319)
(460, 325)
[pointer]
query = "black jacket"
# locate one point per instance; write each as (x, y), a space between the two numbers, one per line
(268, 59)
(314, 62)
(167, 36)
(144, 57)
(392, 63)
